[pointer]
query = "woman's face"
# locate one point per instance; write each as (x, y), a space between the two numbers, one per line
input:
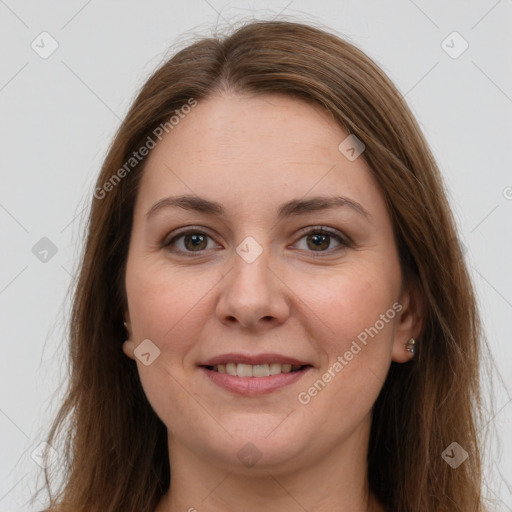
(239, 271)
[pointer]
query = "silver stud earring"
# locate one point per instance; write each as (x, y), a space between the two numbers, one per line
(409, 346)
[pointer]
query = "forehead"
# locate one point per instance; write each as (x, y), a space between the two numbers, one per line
(259, 147)
(241, 126)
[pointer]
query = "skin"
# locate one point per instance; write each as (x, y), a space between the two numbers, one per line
(251, 154)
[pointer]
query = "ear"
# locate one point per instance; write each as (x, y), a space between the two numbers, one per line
(409, 323)
(129, 344)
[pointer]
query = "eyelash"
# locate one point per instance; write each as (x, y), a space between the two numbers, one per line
(343, 241)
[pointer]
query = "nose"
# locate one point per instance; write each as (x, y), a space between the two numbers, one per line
(253, 295)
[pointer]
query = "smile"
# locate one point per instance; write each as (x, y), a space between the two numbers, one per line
(257, 370)
(254, 380)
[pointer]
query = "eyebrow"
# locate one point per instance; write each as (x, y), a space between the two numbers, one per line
(291, 208)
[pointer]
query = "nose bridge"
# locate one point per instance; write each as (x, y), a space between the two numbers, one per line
(250, 282)
(251, 292)
(250, 271)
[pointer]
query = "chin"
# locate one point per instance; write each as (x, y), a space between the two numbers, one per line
(259, 446)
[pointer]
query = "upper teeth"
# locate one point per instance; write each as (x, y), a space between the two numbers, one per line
(257, 370)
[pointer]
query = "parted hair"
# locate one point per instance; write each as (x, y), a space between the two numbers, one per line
(113, 447)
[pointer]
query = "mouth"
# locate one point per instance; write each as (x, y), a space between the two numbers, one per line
(254, 375)
(256, 370)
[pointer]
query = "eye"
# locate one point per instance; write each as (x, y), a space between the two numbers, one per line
(319, 239)
(191, 241)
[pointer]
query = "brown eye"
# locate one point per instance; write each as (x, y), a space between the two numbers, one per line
(188, 242)
(195, 242)
(320, 240)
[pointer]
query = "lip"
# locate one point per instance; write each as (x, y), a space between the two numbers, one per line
(251, 386)
(253, 359)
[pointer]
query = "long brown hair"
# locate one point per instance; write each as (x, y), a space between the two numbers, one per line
(424, 405)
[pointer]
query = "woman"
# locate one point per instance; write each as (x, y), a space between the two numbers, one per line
(273, 311)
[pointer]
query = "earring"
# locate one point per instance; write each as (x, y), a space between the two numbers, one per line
(409, 346)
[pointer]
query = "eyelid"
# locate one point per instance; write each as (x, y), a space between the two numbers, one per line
(326, 230)
(342, 239)
(186, 230)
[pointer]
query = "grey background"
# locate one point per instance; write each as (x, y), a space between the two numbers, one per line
(58, 116)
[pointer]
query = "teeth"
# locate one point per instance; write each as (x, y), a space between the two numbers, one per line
(260, 370)
(257, 370)
(275, 368)
(244, 370)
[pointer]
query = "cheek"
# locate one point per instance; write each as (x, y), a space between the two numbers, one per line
(165, 301)
(348, 302)
(167, 308)
(357, 314)
(175, 403)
